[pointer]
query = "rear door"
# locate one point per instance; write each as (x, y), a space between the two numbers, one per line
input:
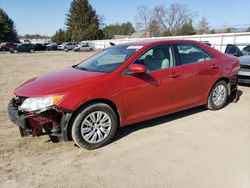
(199, 71)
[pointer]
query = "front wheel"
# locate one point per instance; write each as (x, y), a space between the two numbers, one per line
(218, 96)
(94, 126)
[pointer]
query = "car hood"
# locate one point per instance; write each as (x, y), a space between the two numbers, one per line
(60, 82)
(244, 60)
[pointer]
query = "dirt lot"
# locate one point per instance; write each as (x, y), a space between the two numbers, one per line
(196, 148)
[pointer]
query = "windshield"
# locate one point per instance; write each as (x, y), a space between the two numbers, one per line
(109, 60)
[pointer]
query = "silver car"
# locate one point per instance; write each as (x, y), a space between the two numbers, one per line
(67, 46)
(244, 74)
(83, 47)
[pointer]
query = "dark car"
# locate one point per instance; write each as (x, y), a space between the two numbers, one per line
(246, 50)
(244, 74)
(233, 50)
(39, 47)
(122, 85)
(52, 46)
(23, 48)
(7, 46)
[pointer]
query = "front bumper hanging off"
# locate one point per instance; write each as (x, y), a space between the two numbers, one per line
(53, 122)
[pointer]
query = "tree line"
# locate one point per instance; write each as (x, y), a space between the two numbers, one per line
(83, 23)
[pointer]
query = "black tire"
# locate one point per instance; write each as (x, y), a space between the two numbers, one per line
(82, 114)
(211, 104)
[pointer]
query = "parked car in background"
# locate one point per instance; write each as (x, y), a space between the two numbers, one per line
(39, 47)
(244, 74)
(67, 46)
(246, 50)
(6, 46)
(83, 47)
(207, 43)
(52, 46)
(23, 48)
(122, 85)
(233, 50)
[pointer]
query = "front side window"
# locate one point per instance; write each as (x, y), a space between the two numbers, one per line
(157, 58)
(109, 60)
(190, 53)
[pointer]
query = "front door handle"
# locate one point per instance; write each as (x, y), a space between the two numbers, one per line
(174, 75)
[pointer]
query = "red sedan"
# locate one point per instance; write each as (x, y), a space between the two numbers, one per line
(122, 85)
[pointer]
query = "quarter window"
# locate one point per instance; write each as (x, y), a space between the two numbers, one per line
(190, 53)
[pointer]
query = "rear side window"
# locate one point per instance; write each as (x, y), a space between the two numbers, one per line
(191, 53)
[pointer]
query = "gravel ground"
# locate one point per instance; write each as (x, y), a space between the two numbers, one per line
(195, 148)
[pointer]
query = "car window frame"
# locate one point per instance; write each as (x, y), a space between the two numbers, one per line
(127, 72)
(178, 62)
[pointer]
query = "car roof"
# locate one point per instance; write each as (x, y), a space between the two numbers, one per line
(153, 42)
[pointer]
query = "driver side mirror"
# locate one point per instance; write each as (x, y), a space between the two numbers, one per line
(137, 69)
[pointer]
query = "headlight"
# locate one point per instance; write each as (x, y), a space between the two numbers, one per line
(39, 103)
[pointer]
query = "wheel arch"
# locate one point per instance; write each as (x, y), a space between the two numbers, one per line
(88, 103)
(219, 79)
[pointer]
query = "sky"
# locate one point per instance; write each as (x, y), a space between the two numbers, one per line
(47, 16)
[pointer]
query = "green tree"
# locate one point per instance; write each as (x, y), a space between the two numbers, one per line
(61, 36)
(118, 29)
(186, 29)
(82, 22)
(7, 28)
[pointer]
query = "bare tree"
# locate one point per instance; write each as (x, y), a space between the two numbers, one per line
(154, 27)
(203, 26)
(142, 18)
(173, 17)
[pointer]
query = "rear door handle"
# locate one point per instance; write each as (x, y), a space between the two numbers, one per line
(174, 75)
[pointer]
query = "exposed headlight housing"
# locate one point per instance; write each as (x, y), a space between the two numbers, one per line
(39, 104)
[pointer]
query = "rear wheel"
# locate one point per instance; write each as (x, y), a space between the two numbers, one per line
(94, 126)
(218, 96)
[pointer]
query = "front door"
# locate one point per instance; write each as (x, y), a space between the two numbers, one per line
(156, 91)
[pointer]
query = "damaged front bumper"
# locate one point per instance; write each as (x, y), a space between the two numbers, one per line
(53, 122)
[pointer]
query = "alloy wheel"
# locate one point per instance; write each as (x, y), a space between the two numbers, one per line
(96, 127)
